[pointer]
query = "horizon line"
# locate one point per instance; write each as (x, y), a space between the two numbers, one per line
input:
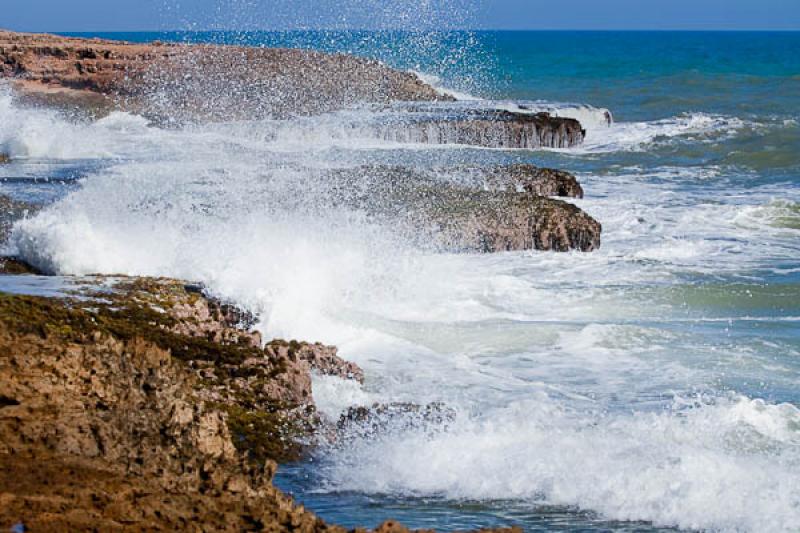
(585, 30)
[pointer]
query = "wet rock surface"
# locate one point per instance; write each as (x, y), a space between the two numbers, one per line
(532, 179)
(168, 82)
(141, 406)
(524, 177)
(12, 210)
(491, 128)
(379, 419)
(198, 81)
(318, 357)
(15, 266)
(503, 221)
(457, 216)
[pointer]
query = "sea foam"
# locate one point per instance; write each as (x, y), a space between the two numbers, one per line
(568, 389)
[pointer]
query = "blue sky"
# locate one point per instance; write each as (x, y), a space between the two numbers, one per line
(124, 15)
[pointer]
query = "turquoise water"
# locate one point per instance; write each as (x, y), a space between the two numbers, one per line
(647, 386)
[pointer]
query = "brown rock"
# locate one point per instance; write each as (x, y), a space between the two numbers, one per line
(516, 177)
(14, 266)
(318, 357)
(101, 426)
(454, 217)
(535, 180)
(106, 422)
(190, 82)
(365, 422)
(496, 222)
(490, 128)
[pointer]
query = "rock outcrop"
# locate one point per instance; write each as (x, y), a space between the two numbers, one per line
(491, 128)
(198, 81)
(103, 426)
(142, 406)
(15, 267)
(379, 419)
(168, 82)
(532, 179)
(497, 215)
(495, 222)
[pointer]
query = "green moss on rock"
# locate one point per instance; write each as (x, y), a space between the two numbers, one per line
(263, 427)
(266, 434)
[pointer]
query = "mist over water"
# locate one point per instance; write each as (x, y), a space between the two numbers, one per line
(650, 384)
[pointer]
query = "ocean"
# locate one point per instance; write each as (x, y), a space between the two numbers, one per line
(651, 385)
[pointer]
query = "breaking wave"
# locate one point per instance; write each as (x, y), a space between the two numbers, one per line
(575, 378)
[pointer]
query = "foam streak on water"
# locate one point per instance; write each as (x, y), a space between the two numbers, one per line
(653, 380)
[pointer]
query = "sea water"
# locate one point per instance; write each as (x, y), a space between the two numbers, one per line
(650, 384)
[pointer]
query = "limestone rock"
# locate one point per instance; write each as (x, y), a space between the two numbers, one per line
(318, 357)
(109, 422)
(492, 128)
(453, 217)
(532, 179)
(198, 82)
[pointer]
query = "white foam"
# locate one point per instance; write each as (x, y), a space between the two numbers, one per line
(637, 136)
(334, 396)
(559, 365)
(436, 82)
(732, 466)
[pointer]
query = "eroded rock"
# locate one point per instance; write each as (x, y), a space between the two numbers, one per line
(456, 217)
(532, 179)
(492, 128)
(496, 222)
(191, 82)
(109, 419)
(319, 358)
(523, 177)
(107, 410)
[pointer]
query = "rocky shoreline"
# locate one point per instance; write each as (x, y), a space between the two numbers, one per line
(186, 81)
(142, 403)
(175, 82)
(470, 209)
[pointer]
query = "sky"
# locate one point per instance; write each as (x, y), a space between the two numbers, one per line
(130, 15)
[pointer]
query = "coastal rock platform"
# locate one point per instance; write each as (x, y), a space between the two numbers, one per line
(194, 83)
(144, 405)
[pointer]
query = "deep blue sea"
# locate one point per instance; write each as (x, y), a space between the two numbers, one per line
(651, 385)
